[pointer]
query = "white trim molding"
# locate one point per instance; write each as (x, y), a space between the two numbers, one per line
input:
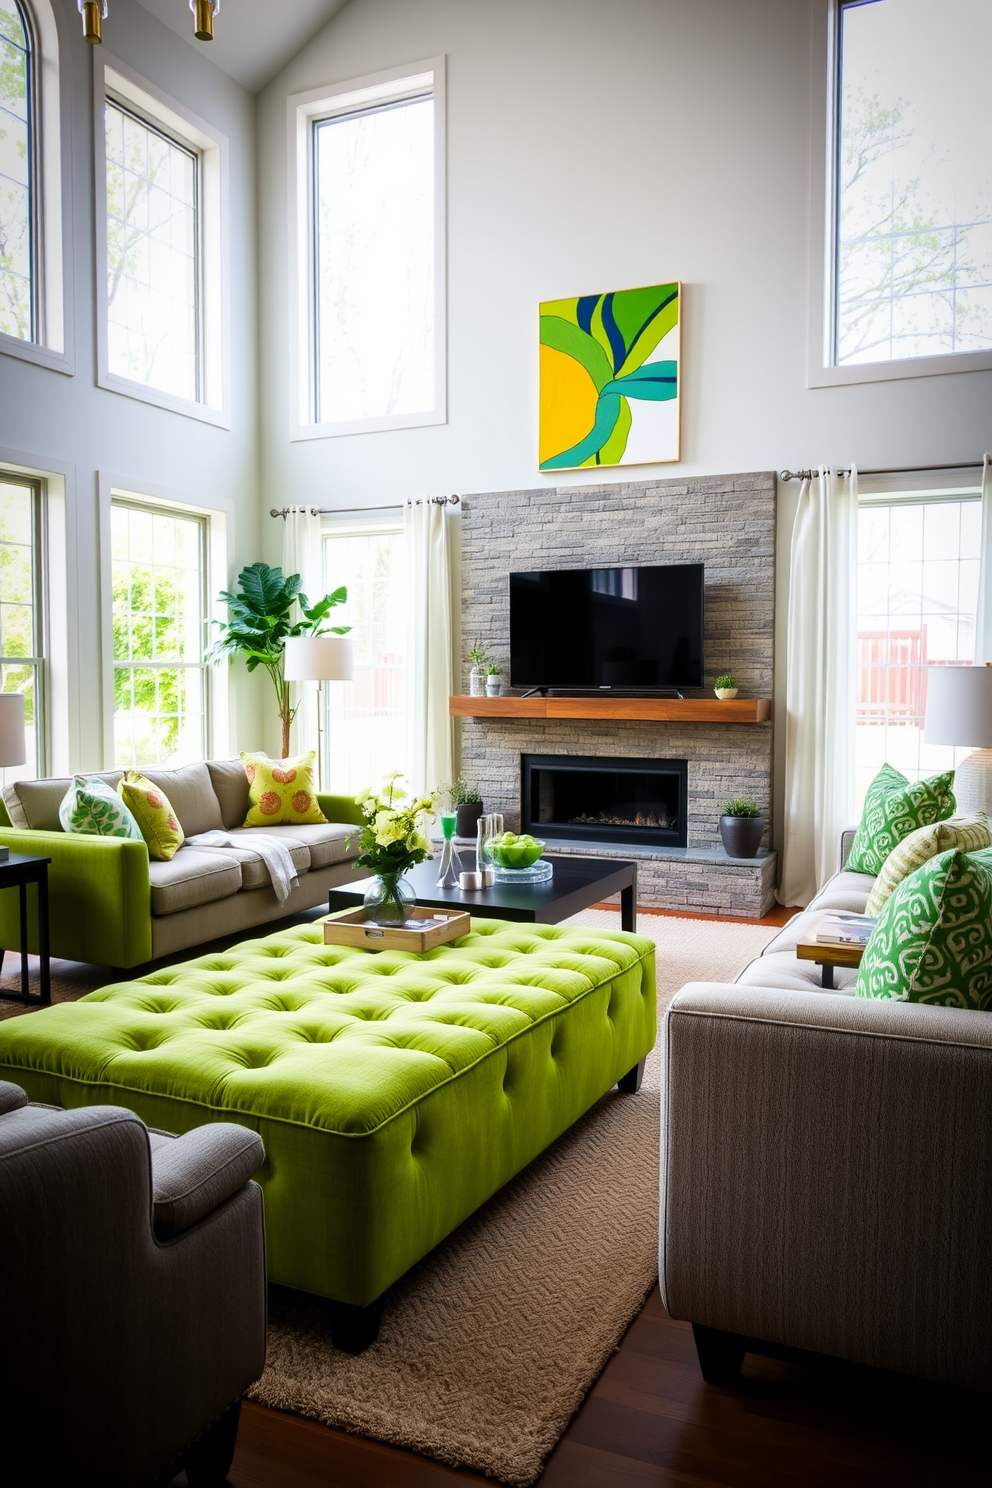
(824, 123)
(114, 79)
(416, 80)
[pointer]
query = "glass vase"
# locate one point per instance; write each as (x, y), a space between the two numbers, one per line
(390, 899)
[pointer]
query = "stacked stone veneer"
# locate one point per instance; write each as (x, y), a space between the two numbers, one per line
(725, 522)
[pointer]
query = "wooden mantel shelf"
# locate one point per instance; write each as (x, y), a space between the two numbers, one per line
(634, 710)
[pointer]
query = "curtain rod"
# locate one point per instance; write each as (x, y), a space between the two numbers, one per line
(351, 511)
(791, 475)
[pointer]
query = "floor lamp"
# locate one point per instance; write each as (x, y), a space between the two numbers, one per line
(319, 659)
(959, 711)
(13, 744)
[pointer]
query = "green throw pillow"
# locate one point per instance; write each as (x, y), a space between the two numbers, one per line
(91, 808)
(893, 809)
(933, 940)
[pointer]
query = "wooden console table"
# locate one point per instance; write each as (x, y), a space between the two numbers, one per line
(632, 709)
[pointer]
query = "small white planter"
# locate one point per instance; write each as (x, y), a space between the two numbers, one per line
(494, 686)
(726, 693)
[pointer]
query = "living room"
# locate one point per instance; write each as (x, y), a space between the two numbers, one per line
(615, 383)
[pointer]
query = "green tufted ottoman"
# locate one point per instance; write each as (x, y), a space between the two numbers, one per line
(394, 1092)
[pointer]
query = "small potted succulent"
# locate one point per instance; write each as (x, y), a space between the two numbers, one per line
(742, 827)
(726, 687)
(480, 659)
(494, 680)
(468, 807)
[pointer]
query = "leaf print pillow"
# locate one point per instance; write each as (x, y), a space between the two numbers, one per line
(92, 808)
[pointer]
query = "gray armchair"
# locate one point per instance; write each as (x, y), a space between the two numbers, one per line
(134, 1309)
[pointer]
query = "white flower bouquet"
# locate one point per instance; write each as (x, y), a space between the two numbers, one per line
(393, 838)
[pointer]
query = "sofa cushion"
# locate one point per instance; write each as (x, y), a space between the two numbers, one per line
(784, 971)
(254, 873)
(155, 815)
(90, 808)
(894, 807)
(333, 842)
(844, 891)
(33, 805)
(933, 940)
(281, 791)
(191, 792)
(230, 785)
(966, 832)
(194, 876)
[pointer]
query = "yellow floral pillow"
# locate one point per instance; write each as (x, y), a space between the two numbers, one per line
(281, 792)
(152, 810)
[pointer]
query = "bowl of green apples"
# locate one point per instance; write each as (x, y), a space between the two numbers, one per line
(516, 857)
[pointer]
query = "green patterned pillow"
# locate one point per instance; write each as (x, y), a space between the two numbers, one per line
(933, 940)
(965, 832)
(893, 809)
(92, 808)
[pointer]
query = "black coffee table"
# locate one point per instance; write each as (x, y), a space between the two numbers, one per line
(578, 883)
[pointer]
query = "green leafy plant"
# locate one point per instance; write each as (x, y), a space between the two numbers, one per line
(392, 839)
(479, 657)
(494, 669)
(727, 681)
(261, 622)
(460, 794)
(741, 806)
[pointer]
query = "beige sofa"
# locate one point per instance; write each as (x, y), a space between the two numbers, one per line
(826, 1169)
(112, 905)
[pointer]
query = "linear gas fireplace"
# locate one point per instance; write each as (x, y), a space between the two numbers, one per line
(594, 798)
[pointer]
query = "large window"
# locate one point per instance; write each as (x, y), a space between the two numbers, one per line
(366, 719)
(153, 269)
(369, 259)
(912, 200)
(22, 630)
(917, 601)
(159, 622)
(17, 204)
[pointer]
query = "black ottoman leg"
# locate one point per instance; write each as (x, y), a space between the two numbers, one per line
(208, 1461)
(721, 1355)
(353, 1328)
(631, 1082)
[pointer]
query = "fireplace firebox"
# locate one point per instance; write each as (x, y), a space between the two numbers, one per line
(594, 798)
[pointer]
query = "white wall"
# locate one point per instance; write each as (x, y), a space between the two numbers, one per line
(68, 424)
(592, 147)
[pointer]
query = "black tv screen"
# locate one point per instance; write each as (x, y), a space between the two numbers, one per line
(633, 629)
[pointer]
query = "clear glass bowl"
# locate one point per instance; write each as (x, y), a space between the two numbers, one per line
(540, 872)
(515, 856)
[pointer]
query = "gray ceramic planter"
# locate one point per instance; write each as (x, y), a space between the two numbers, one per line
(742, 835)
(467, 818)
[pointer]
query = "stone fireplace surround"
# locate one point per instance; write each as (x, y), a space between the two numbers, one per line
(727, 523)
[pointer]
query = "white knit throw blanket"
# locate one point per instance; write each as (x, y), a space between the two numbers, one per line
(275, 855)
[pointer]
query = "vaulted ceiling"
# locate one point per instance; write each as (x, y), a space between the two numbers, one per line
(253, 39)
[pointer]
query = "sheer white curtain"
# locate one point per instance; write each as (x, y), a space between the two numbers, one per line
(821, 668)
(432, 630)
(302, 554)
(983, 620)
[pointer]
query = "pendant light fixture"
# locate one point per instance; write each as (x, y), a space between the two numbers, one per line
(94, 13)
(203, 13)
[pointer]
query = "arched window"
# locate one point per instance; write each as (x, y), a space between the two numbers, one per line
(18, 286)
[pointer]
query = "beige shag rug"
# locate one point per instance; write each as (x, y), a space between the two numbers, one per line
(490, 1344)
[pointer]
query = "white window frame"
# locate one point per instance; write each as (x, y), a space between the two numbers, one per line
(823, 372)
(52, 345)
(219, 517)
(417, 80)
(39, 604)
(114, 80)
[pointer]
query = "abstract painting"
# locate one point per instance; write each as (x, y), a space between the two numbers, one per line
(610, 378)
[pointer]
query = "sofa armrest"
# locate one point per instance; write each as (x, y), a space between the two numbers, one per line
(99, 897)
(846, 843)
(12, 1097)
(827, 1176)
(195, 1173)
(341, 809)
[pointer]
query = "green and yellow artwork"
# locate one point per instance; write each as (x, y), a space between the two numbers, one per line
(610, 378)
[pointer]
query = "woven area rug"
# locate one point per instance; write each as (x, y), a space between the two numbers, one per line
(490, 1344)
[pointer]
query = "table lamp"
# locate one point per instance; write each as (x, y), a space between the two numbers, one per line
(319, 659)
(13, 744)
(959, 711)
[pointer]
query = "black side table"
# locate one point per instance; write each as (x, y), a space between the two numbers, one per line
(18, 871)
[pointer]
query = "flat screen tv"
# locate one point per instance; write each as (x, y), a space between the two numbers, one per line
(595, 629)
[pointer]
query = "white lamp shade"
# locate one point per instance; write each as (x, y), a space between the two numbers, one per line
(959, 706)
(319, 659)
(13, 745)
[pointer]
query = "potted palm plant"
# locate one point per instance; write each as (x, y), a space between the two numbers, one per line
(742, 827)
(261, 622)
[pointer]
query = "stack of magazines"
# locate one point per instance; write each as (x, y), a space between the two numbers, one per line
(838, 927)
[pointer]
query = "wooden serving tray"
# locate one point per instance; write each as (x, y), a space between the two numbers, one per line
(349, 928)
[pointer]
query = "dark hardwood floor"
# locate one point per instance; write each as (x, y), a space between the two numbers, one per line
(650, 1422)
